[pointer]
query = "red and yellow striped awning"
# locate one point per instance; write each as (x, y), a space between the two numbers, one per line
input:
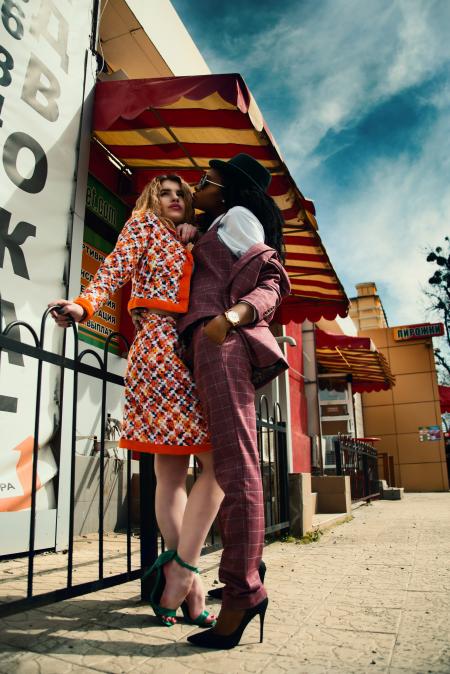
(178, 124)
(352, 356)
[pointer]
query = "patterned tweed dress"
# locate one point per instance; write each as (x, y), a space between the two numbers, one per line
(162, 413)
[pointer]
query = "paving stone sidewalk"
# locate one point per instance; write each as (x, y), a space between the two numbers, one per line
(372, 595)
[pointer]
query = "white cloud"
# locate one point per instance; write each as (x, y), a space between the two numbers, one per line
(337, 59)
(419, 49)
(381, 233)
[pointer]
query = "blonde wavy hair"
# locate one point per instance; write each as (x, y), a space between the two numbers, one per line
(149, 200)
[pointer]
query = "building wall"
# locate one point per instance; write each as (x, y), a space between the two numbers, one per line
(169, 36)
(396, 415)
(359, 418)
(301, 442)
(366, 310)
(147, 39)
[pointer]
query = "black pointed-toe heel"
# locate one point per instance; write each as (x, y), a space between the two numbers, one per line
(211, 639)
(216, 593)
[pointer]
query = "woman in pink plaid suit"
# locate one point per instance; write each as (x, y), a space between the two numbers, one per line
(236, 287)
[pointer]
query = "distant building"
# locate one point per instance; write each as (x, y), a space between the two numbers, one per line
(407, 417)
(366, 308)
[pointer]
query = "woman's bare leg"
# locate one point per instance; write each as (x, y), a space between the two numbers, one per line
(170, 499)
(201, 509)
(170, 496)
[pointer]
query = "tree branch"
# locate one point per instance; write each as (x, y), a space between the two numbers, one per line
(441, 360)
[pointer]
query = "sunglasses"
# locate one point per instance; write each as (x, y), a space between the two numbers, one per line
(204, 180)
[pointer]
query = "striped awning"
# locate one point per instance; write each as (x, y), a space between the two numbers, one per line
(355, 359)
(178, 124)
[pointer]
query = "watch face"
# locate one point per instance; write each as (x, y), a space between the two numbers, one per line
(233, 317)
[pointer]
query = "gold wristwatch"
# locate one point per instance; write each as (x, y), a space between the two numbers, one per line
(232, 317)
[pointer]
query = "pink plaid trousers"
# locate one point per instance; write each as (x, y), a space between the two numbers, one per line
(223, 378)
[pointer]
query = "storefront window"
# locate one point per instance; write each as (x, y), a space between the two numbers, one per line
(326, 395)
(336, 416)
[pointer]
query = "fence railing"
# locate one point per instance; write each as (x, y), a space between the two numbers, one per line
(271, 444)
(272, 448)
(358, 460)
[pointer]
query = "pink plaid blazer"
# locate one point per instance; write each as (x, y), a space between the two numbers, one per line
(220, 280)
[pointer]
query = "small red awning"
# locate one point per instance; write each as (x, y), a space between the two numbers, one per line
(444, 397)
(178, 124)
(352, 356)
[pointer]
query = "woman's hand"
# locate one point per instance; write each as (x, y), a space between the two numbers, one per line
(136, 317)
(217, 329)
(187, 233)
(68, 308)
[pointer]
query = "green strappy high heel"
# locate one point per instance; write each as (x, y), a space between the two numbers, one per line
(161, 612)
(202, 619)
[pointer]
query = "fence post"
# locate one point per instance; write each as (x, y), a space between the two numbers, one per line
(391, 471)
(283, 475)
(365, 467)
(386, 469)
(148, 526)
(337, 452)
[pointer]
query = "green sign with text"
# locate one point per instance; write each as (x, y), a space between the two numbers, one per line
(105, 205)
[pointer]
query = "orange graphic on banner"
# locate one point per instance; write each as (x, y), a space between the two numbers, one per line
(24, 469)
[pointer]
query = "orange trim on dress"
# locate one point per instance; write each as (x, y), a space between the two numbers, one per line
(185, 280)
(87, 306)
(153, 303)
(151, 448)
(179, 307)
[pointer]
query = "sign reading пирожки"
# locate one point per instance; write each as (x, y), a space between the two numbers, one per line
(418, 331)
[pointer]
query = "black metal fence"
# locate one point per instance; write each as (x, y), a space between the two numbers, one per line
(271, 443)
(358, 460)
(274, 467)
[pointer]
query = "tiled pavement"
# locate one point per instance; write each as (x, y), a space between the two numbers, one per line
(372, 595)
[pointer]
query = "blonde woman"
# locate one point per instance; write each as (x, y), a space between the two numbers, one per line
(162, 413)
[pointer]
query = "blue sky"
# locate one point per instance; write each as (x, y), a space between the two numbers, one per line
(357, 95)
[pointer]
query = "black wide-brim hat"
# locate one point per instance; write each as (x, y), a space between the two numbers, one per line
(244, 169)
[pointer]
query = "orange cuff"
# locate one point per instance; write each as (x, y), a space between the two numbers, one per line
(87, 306)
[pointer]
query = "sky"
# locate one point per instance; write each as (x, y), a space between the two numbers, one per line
(357, 96)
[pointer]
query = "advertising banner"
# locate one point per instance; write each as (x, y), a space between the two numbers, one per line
(105, 217)
(43, 58)
(431, 433)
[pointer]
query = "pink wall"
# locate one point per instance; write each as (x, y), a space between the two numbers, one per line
(301, 444)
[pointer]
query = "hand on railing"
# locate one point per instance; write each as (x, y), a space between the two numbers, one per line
(64, 310)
